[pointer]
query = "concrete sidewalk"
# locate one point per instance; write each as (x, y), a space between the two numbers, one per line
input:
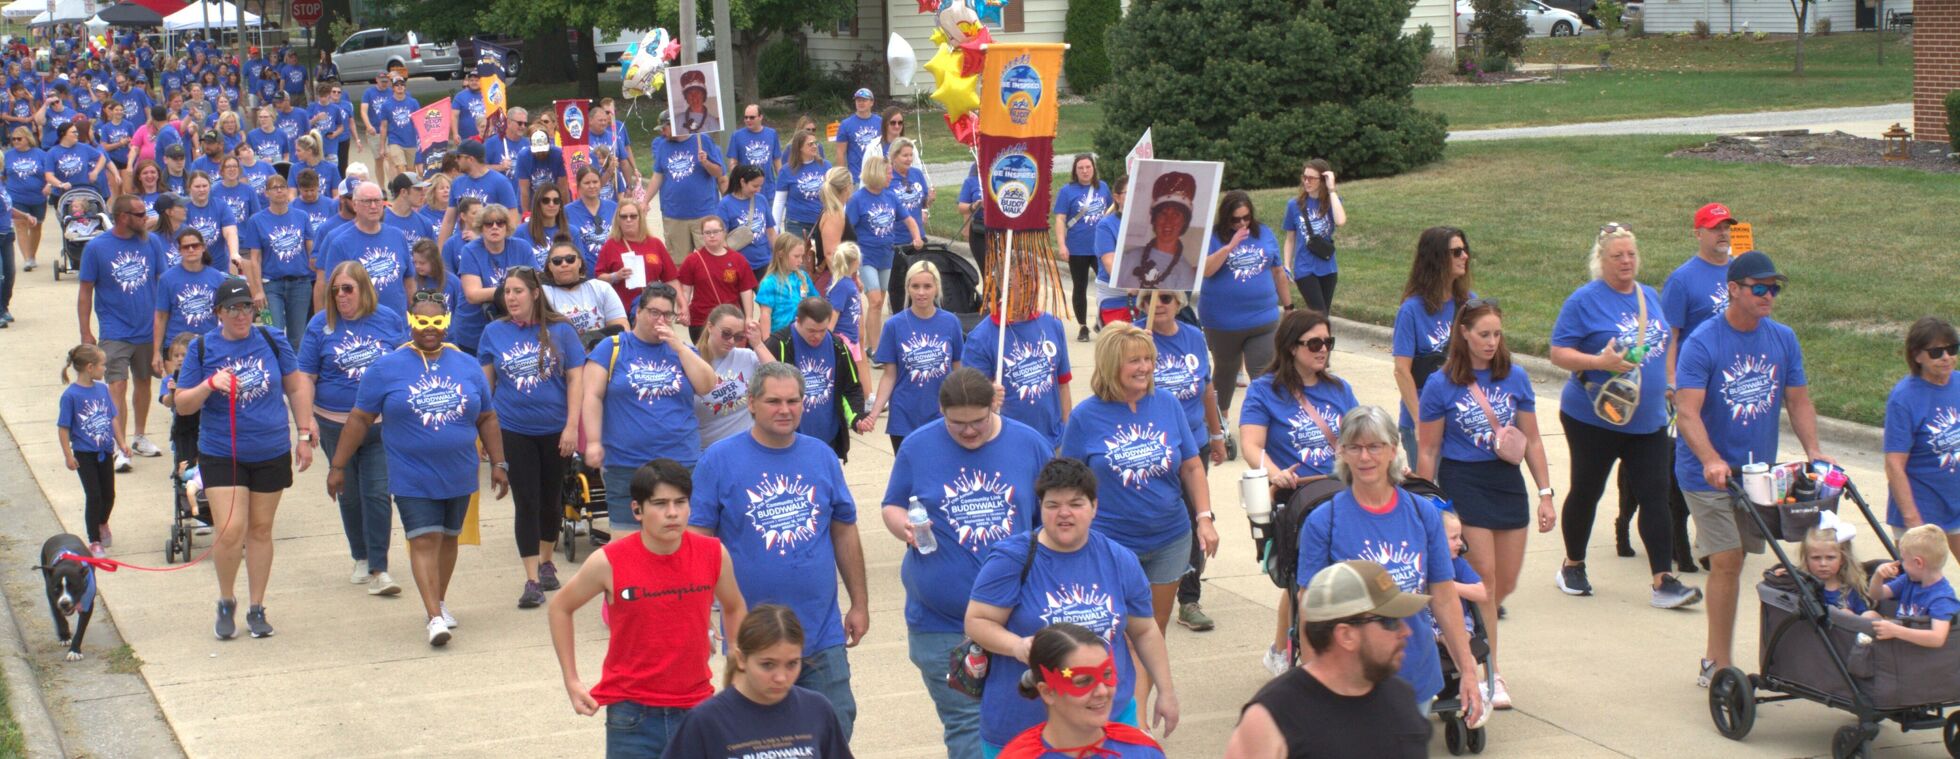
(1856, 120)
(348, 674)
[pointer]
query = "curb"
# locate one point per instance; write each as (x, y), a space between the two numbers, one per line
(25, 691)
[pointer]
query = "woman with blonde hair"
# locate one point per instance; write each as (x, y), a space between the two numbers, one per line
(630, 236)
(308, 154)
(785, 283)
(832, 230)
(923, 349)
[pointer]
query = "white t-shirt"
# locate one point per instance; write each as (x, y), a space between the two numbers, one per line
(724, 411)
(589, 305)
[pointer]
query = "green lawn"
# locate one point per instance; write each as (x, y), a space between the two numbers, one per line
(1665, 76)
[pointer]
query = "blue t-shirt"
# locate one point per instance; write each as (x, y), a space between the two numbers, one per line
(818, 364)
(384, 254)
(1099, 586)
(1409, 542)
(241, 199)
(1184, 371)
(857, 133)
(1107, 231)
(185, 299)
(255, 175)
(295, 78)
(25, 175)
(1241, 294)
(1696, 291)
(107, 132)
(924, 350)
(976, 498)
(498, 148)
(1846, 598)
(1292, 438)
(281, 240)
(1744, 374)
(210, 220)
(492, 188)
(970, 193)
(124, 272)
(687, 191)
(649, 408)
(428, 411)
(1317, 221)
(398, 117)
(529, 394)
(271, 145)
(413, 227)
(338, 359)
(72, 164)
(589, 229)
(261, 369)
(1036, 368)
(753, 213)
(877, 221)
(1922, 420)
(911, 191)
(843, 296)
(1467, 434)
(329, 175)
(469, 108)
(1420, 333)
(1082, 207)
(773, 509)
(1136, 457)
(539, 169)
(89, 416)
(1933, 602)
(761, 149)
(1596, 314)
(804, 203)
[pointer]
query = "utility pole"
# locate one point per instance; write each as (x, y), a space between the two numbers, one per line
(725, 59)
(688, 55)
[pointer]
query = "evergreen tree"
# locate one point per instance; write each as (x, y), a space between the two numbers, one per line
(1087, 33)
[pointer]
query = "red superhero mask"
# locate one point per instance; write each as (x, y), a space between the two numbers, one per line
(1076, 682)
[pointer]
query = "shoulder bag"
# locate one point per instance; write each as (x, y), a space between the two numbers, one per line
(740, 237)
(967, 668)
(1507, 441)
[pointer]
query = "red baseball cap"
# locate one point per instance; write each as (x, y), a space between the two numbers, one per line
(1711, 215)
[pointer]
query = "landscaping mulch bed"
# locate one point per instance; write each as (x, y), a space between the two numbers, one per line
(1833, 149)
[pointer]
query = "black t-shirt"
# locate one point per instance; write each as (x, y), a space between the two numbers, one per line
(730, 726)
(1317, 722)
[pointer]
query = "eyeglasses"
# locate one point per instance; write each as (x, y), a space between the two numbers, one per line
(562, 260)
(420, 322)
(1760, 289)
(430, 296)
(1942, 351)
(659, 314)
(1318, 344)
(369, 201)
(976, 424)
(190, 246)
(550, 199)
(521, 123)
(708, 232)
(1372, 449)
(1390, 624)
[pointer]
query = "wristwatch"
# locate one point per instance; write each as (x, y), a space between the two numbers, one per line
(504, 465)
(1217, 436)
(306, 437)
(1206, 514)
(1544, 491)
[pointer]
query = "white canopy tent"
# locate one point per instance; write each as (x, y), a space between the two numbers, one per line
(65, 12)
(208, 15)
(20, 10)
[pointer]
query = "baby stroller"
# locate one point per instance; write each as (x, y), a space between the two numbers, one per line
(84, 216)
(959, 283)
(585, 487)
(187, 501)
(1458, 735)
(1824, 654)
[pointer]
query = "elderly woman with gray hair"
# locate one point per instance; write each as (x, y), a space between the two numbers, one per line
(1376, 520)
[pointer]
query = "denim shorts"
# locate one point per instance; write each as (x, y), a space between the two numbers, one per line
(421, 516)
(874, 279)
(1167, 563)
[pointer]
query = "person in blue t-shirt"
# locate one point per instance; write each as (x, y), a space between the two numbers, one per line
(1734, 375)
(1922, 432)
(1080, 206)
(973, 471)
(342, 341)
(908, 181)
(1184, 371)
(1377, 520)
(214, 219)
(119, 271)
(1917, 583)
(778, 502)
(878, 220)
(745, 205)
(756, 144)
(185, 294)
(242, 380)
(74, 163)
(406, 193)
(922, 346)
(1312, 218)
(394, 117)
(639, 399)
(686, 175)
(856, 132)
(589, 219)
(469, 108)
(1244, 288)
(833, 401)
(1033, 369)
(1065, 570)
(1439, 281)
(801, 183)
(278, 241)
(380, 249)
(237, 195)
(90, 437)
(433, 403)
(1112, 304)
(266, 140)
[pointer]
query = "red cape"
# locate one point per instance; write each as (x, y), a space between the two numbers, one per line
(1028, 744)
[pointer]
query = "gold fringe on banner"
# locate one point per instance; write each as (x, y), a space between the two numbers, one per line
(1036, 281)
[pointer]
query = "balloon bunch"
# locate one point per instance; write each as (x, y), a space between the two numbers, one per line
(648, 59)
(955, 68)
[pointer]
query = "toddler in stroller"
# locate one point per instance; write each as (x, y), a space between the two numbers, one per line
(84, 217)
(1916, 582)
(1458, 734)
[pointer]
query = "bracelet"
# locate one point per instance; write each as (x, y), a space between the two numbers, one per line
(211, 382)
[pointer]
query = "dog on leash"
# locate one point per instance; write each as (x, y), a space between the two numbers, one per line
(71, 588)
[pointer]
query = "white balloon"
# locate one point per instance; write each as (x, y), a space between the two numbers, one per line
(645, 64)
(903, 60)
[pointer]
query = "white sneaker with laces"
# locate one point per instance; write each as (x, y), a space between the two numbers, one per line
(1275, 662)
(438, 632)
(447, 618)
(122, 462)
(384, 585)
(142, 446)
(360, 574)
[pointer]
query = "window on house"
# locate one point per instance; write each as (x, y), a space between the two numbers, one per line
(848, 27)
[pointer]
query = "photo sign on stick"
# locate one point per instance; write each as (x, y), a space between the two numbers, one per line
(694, 99)
(1167, 217)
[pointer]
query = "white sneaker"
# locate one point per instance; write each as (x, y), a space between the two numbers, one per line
(1275, 662)
(360, 576)
(122, 462)
(447, 618)
(202, 529)
(142, 446)
(384, 585)
(438, 632)
(30, 266)
(1500, 697)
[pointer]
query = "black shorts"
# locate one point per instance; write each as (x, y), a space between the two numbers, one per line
(269, 476)
(1488, 494)
(37, 210)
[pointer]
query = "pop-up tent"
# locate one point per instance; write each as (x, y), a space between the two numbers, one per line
(208, 15)
(129, 15)
(65, 12)
(21, 10)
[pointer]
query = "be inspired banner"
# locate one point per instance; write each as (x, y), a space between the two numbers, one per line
(432, 123)
(571, 121)
(1018, 89)
(1016, 179)
(491, 87)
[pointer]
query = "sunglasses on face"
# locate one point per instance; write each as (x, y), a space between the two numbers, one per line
(1459, 251)
(1318, 344)
(344, 289)
(629, 216)
(550, 199)
(190, 246)
(562, 260)
(419, 322)
(494, 223)
(1242, 218)
(1390, 624)
(730, 335)
(1942, 351)
(1761, 289)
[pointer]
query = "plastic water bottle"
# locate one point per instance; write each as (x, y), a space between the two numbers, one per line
(921, 522)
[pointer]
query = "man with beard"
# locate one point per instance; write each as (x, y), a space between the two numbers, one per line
(1346, 701)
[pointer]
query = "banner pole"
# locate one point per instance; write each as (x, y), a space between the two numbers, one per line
(1006, 279)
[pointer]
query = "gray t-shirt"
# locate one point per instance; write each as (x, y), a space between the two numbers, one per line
(724, 411)
(588, 305)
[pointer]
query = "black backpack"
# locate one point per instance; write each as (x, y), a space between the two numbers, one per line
(1282, 539)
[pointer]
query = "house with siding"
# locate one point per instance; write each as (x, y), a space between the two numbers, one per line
(860, 41)
(1773, 16)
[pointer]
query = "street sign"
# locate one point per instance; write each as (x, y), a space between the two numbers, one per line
(306, 12)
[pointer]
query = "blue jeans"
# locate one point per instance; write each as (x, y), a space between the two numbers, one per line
(6, 270)
(829, 672)
(291, 301)
(619, 498)
(799, 229)
(959, 714)
(365, 512)
(637, 731)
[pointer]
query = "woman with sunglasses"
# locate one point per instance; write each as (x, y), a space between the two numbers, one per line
(1072, 672)
(1375, 513)
(639, 401)
(1244, 289)
(630, 238)
(1439, 281)
(434, 407)
(588, 303)
(547, 220)
(27, 187)
(534, 362)
(1079, 206)
(1184, 371)
(1924, 490)
(1477, 393)
(726, 346)
(485, 263)
(1028, 580)
(588, 220)
(1312, 217)
(341, 342)
(184, 296)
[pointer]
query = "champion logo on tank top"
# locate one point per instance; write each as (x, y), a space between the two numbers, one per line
(652, 379)
(1138, 453)
(1749, 387)
(979, 506)
(1943, 434)
(524, 364)
(131, 270)
(93, 422)
(1402, 562)
(437, 401)
(1089, 606)
(253, 380)
(783, 509)
(1177, 374)
(926, 356)
(1305, 437)
(1028, 369)
(1470, 416)
(353, 355)
(817, 383)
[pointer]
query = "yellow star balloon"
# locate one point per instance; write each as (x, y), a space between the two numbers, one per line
(959, 94)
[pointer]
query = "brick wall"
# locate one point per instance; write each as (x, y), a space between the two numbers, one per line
(1935, 65)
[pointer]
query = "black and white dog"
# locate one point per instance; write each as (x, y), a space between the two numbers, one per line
(71, 587)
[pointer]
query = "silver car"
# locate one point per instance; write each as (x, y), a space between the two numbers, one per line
(367, 53)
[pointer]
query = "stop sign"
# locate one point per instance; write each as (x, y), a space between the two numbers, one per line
(306, 12)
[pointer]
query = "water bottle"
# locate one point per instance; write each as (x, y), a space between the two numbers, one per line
(1256, 497)
(921, 522)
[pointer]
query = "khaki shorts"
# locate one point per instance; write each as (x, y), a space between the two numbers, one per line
(124, 358)
(399, 158)
(683, 236)
(1718, 527)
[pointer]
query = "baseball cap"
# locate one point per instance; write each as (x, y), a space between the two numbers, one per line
(405, 181)
(1711, 215)
(471, 149)
(232, 292)
(210, 135)
(1352, 588)
(1754, 264)
(174, 151)
(863, 93)
(168, 200)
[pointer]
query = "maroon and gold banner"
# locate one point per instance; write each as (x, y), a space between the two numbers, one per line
(1018, 89)
(576, 157)
(1016, 179)
(571, 122)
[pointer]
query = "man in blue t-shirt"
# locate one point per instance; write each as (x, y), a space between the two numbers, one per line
(779, 504)
(856, 132)
(833, 394)
(1733, 375)
(119, 287)
(756, 144)
(395, 123)
(686, 173)
(476, 181)
(468, 103)
(381, 249)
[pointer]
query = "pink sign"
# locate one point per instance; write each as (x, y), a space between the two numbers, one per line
(432, 123)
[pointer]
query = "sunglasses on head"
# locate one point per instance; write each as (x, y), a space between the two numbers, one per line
(430, 296)
(1318, 344)
(1942, 351)
(421, 321)
(1612, 227)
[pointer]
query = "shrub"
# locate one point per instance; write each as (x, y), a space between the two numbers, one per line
(1952, 103)
(1086, 65)
(1438, 67)
(783, 68)
(1275, 82)
(1823, 27)
(1701, 29)
(1611, 15)
(1500, 27)
(1637, 28)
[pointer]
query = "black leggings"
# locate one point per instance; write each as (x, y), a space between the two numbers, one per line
(537, 480)
(896, 441)
(1317, 291)
(1081, 269)
(98, 473)
(1593, 451)
(342, 152)
(1677, 505)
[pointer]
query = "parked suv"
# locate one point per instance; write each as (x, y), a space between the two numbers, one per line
(367, 53)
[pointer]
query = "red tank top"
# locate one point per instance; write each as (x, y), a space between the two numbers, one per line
(659, 608)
